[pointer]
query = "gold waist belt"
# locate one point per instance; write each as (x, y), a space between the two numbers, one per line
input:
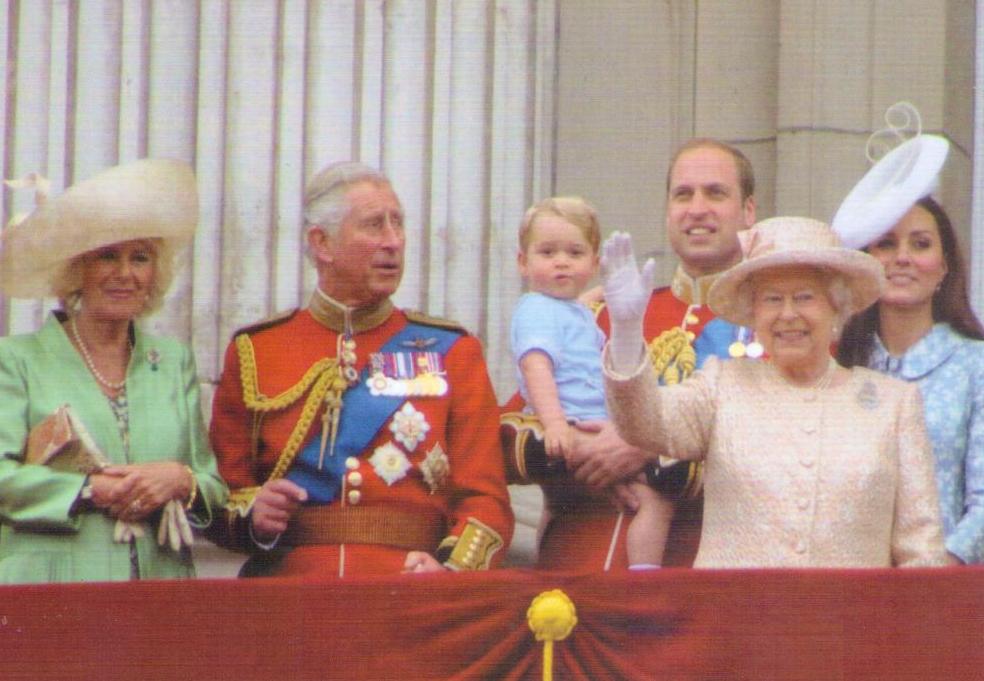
(419, 531)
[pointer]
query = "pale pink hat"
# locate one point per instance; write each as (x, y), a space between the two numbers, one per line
(150, 198)
(793, 241)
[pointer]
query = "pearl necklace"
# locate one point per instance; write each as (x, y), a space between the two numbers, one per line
(92, 365)
(821, 383)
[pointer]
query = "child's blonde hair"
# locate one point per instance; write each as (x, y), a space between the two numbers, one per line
(573, 209)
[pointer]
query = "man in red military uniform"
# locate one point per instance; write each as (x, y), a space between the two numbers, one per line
(710, 197)
(358, 438)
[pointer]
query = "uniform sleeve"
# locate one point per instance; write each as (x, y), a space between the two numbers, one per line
(917, 533)
(229, 434)
(675, 420)
(478, 485)
(212, 490)
(30, 495)
(966, 541)
(229, 431)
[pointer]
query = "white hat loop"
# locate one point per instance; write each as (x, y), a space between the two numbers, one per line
(895, 183)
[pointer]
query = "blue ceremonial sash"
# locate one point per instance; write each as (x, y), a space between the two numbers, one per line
(715, 339)
(363, 414)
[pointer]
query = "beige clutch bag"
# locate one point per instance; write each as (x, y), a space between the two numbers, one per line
(61, 442)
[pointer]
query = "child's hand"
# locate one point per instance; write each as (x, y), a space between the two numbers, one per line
(558, 438)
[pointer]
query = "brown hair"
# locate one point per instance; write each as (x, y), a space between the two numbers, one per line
(746, 176)
(573, 209)
(951, 302)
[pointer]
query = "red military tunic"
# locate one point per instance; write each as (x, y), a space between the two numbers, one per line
(398, 497)
(581, 527)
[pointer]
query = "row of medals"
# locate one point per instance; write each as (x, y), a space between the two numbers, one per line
(744, 346)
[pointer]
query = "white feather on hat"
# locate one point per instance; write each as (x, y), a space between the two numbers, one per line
(145, 199)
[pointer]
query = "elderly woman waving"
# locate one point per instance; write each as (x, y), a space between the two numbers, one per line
(122, 406)
(808, 464)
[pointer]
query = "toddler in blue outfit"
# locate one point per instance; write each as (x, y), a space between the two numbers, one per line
(557, 344)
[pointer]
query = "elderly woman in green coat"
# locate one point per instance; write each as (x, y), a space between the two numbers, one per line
(104, 248)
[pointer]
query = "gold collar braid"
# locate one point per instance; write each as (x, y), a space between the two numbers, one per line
(692, 290)
(331, 314)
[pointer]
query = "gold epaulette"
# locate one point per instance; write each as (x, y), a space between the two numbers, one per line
(474, 549)
(274, 320)
(427, 320)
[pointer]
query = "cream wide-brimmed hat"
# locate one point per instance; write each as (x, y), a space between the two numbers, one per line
(146, 199)
(797, 242)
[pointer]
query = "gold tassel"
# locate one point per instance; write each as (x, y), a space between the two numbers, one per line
(552, 617)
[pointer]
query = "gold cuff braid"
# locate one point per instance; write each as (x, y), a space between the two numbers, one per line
(474, 549)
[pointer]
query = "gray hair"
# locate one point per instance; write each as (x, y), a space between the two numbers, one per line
(837, 289)
(325, 204)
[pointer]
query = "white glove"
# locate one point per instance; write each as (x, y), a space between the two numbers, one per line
(627, 292)
(123, 531)
(174, 529)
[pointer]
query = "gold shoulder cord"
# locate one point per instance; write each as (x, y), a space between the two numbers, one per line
(674, 359)
(328, 386)
(672, 356)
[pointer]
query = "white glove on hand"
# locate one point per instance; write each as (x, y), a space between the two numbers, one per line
(123, 531)
(627, 292)
(174, 529)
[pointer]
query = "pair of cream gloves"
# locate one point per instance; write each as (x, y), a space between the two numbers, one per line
(173, 530)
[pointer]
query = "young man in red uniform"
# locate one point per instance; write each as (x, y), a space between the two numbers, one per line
(710, 197)
(358, 438)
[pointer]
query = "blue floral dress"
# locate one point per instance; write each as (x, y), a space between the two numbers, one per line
(949, 369)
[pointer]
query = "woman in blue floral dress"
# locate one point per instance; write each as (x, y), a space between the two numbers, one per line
(924, 330)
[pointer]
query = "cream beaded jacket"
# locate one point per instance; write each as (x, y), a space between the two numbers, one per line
(795, 477)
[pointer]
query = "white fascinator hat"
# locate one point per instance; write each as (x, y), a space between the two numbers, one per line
(895, 182)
